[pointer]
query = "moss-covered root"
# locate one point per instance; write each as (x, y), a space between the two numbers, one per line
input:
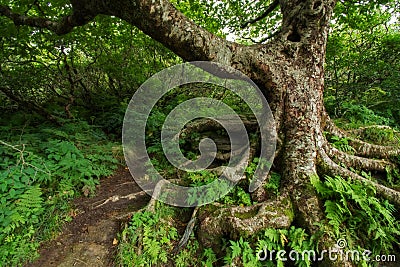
(236, 221)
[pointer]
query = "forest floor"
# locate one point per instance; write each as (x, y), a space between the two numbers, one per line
(90, 239)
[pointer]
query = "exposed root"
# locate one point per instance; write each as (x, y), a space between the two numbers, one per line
(188, 231)
(116, 198)
(357, 162)
(156, 194)
(362, 148)
(217, 222)
(329, 167)
(362, 129)
(204, 124)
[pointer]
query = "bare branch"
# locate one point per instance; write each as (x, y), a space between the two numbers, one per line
(116, 198)
(271, 8)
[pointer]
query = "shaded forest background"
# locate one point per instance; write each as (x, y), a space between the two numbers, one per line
(63, 100)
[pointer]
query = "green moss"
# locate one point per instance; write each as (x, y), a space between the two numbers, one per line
(246, 215)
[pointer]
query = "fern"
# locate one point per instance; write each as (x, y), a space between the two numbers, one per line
(354, 211)
(42, 167)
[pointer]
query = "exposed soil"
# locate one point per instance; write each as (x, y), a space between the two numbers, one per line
(89, 239)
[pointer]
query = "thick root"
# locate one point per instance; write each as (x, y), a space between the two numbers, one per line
(310, 215)
(216, 222)
(363, 149)
(357, 162)
(329, 167)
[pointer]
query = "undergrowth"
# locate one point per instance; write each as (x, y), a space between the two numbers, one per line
(356, 214)
(41, 168)
(150, 239)
(353, 211)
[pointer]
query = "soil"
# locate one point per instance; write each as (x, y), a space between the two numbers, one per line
(90, 239)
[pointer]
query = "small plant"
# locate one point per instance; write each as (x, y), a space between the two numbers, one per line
(342, 144)
(151, 240)
(150, 237)
(41, 169)
(354, 211)
(274, 183)
(262, 250)
(237, 196)
(209, 257)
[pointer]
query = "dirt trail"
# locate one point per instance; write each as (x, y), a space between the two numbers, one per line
(88, 240)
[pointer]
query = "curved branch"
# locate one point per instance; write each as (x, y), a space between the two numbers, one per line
(157, 18)
(271, 8)
(357, 162)
(329, 167)
(163, 22)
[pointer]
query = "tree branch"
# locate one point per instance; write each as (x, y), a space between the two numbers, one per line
(63, 26)
(271, 8)
(163, 22)
(160, 20)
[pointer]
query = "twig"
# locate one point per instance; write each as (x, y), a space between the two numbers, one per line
(116, 198)
(269, 9)
(22, 159)
(125, 183)
(81, 261)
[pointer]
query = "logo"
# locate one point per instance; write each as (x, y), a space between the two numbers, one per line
(146, 98)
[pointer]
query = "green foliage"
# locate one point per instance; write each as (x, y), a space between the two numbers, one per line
(197, 194)
(382, 136)
(342, 144)
(263, 249)
(150, 239)
(242, 251)
(393, 176)
(40, 169)
(363, 66)
(354, 212)
(361, 115)
(237, 196)
(88, 74)
(147, 231)
(209, 257)
(274, 183)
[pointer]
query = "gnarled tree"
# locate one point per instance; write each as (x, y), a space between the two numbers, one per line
(288, 68)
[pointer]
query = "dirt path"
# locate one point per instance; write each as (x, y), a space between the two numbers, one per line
(88, 240)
